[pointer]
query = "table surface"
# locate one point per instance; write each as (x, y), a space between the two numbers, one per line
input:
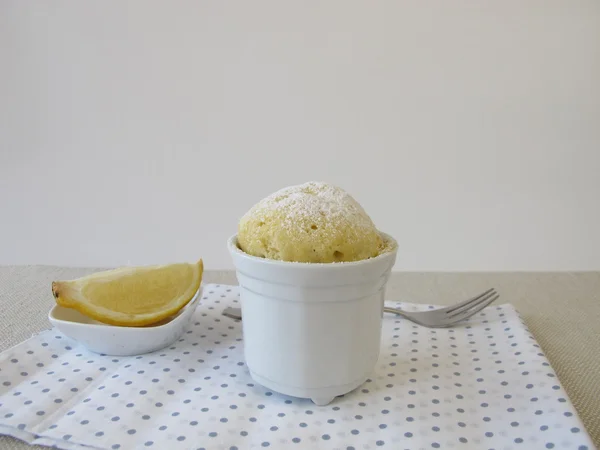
(562, 310)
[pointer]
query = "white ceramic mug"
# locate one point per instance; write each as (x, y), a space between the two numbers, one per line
(311, 330)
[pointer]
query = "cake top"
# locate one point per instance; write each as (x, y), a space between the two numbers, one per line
(312, 222)
(314, 203)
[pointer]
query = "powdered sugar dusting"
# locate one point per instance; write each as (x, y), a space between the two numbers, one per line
(311, 222)
(313, 202)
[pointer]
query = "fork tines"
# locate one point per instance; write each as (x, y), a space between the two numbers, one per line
(473, 305)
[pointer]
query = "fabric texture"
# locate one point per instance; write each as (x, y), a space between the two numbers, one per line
(562, 312)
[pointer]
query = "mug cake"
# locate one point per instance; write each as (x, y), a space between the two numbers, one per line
(312, 269)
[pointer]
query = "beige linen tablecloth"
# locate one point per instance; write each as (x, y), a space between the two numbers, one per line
(562, 310)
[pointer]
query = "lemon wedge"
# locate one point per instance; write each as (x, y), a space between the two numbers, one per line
(131, 296)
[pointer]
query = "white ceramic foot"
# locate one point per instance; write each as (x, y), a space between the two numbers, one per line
(322, 401)
(319, 396)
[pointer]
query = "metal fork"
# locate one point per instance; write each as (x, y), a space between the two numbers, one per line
(434, 318)
(450, 315)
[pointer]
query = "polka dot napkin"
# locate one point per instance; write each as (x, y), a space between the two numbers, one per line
(484, 384)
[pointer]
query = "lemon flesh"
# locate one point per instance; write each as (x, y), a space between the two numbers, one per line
(131, 296)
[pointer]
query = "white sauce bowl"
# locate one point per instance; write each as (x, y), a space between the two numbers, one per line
(118, 340)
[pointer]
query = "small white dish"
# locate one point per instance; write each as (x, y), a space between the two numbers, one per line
(122, 341)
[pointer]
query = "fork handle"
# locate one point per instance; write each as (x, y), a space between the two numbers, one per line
(391, 310)
(236, 313)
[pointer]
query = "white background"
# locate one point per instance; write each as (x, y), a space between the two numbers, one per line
(139, 132)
